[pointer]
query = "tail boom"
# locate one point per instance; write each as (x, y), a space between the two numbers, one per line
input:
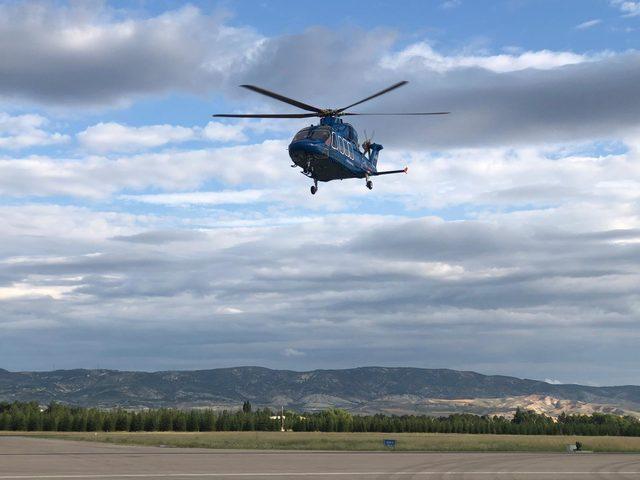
(389, 172)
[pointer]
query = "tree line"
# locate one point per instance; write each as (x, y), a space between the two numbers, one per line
(29, 416)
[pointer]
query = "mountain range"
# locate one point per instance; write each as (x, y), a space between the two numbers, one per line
(360, 390)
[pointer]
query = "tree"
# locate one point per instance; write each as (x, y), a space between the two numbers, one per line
(165, 422)
(5, 420)
(179, 422)
(246, 407)
(18, 421)
(123, 422)
(208, 421)
(193, 421)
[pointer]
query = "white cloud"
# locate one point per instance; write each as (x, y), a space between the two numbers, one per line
(17, 290)
(115, 137)
(447, 4)
(229, 310)
(99, 177)
(588, 24)
(293, 352)
(25, 131)
(510, 177)
(628, 7)
(526, 178)
(220, 132)
(84, 229)
(553, 381)
(422, 55)
(225, 197)
(112, 136)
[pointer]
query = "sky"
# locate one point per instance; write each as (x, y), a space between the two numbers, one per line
(140, 233)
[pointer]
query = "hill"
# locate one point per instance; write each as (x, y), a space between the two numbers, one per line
(366, 390)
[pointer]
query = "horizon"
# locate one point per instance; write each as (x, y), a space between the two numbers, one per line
(141, 234)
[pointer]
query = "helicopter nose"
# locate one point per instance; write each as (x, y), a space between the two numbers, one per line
(305, 147)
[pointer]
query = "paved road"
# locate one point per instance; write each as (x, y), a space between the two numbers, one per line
(32, 458)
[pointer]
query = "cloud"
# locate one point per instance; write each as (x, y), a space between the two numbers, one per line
(511, 177)
(588, 24)
(82, 55)
(17, 290)
(229, 310)
(448, 4)
(494, 99)
(25, 131)
(161, 237)
(292, 352)
(418, 291)
(553, 381)
(114, 137)
(628, 7)
(422, 56)
(99, 177)
(229, 197)
(528, 107)
(220, 132)
(503, 98)
(514, 235)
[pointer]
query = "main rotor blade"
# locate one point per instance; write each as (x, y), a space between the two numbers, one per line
(264, 115)
(282, 98)
(408, 113)
(381, 92)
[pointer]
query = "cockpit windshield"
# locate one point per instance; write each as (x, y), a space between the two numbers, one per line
(320, 132)
(302, 134)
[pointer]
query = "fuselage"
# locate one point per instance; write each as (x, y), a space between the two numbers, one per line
(330, 151)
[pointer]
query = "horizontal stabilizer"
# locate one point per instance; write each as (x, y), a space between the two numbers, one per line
(389, 172)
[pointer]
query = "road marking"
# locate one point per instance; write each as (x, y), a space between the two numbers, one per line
(302, 474)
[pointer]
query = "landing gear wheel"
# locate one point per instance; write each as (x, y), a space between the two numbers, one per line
(369, 184)
(314, 189)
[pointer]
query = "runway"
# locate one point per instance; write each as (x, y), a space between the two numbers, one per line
(33, 458)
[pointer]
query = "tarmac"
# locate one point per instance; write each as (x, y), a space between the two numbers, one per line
(34, 458)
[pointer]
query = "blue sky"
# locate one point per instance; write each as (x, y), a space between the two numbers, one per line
(140, 233)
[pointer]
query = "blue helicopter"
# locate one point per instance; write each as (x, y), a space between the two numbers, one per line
(330, 150)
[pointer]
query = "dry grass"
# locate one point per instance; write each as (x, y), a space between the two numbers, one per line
(436, 442)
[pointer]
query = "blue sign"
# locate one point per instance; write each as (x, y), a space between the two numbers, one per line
(389, 443)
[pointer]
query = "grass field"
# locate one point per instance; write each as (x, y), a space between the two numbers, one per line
(436, 442)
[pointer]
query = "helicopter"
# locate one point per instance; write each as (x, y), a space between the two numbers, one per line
(330, 150)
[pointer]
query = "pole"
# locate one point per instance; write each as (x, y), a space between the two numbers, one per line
(282, 419)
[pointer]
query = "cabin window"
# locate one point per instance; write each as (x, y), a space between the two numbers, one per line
(341, 145)
(334, 141)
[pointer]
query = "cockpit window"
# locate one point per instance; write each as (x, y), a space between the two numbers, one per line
(302, 134)
(320, 133)
(313, 133)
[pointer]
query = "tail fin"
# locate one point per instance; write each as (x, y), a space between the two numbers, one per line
(374, 149)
